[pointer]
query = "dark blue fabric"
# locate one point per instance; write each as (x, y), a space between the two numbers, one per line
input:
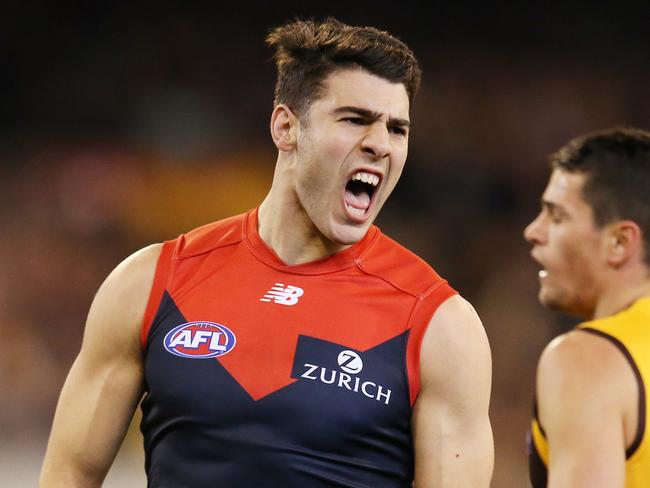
(202, 429)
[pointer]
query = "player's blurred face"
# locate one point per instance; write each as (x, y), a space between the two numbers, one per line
(568, 245)
(351, 150)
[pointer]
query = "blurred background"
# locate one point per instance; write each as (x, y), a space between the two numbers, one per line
(125, 123)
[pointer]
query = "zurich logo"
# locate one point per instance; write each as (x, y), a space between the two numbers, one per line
(350, 362)
(200, 340)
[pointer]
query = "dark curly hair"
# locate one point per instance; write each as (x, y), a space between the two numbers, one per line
(306, 52)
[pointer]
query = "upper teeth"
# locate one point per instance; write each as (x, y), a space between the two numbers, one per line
(366, 178)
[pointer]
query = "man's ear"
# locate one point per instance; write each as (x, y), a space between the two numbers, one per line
(624, 240)
(284, 128)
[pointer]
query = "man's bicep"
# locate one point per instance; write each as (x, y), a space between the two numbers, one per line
(94, 409)
(452, 433)
(579, 405)
(105, 381)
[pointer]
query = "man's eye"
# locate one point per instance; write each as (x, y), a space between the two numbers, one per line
(355, 120)
(400, 131)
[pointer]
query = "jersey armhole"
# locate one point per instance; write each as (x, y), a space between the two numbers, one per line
(421, 315)
(640, 429)
(161, 276)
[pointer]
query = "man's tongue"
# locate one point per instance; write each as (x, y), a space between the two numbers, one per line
(360, 200)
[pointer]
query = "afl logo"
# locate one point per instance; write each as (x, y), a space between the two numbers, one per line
(200, 340)
(350, 362)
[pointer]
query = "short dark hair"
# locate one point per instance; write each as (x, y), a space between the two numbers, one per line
(306, 52)
(616, 163)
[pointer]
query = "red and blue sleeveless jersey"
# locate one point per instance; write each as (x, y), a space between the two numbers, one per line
(262, 374)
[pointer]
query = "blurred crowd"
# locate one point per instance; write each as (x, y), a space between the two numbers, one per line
(123, 130)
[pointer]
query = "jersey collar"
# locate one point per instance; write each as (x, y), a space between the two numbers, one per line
(336, 262)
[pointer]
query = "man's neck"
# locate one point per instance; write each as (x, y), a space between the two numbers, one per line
(618, 298)
(286, 228)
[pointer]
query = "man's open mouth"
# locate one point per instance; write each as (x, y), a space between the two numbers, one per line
(359, 191)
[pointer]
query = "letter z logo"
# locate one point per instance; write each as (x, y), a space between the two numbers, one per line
(283, 295)
(350, 362)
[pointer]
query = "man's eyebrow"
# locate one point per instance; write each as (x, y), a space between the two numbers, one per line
(551, 206)
(546, 203)
(369, 114)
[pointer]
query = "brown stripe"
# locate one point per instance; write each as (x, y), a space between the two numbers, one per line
(640, 430)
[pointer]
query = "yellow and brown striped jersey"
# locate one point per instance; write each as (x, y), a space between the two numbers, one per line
(629, 331)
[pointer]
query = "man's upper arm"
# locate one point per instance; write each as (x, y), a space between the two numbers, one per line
(105, 382)
(583, 384)
(452, 433)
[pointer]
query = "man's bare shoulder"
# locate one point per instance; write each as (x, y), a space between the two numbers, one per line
(580, 356)
(143, 258)
(456, 337)
(119, 305)
(582, 371)
(456, 317)
(130, 282)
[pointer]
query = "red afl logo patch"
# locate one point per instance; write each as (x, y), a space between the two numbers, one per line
(200, 340)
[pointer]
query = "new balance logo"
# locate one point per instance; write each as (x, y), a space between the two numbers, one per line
(283, 295)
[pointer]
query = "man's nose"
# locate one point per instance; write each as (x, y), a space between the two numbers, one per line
(376, 141)
(533, 231)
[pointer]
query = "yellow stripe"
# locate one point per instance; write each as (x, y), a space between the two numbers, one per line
(539, 442)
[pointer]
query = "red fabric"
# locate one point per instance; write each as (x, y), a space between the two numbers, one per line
(368, 294)
(159, 284)
(419, 321)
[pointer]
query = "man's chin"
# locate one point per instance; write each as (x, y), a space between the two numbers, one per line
(547, 299)
(348, 235)
(570, 307)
